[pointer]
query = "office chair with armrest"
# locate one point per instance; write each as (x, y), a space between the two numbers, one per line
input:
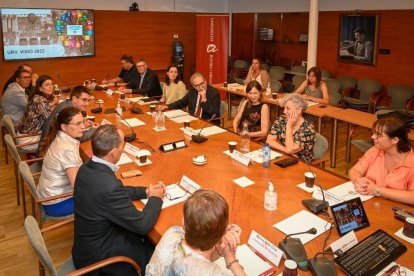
(277, 73)
(299, 69)
(37, 200)
(367, 90)
(275, 85)
(223, 112)
(325, 74)
(347, 82)
(3, 132)
(239, 71)
(8, 123)
(35, 169)
(297, 81)
(319, 149)
(35, 236)
(334, 87)
(397, 98)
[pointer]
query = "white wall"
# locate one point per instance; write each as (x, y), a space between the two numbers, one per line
(144, 5)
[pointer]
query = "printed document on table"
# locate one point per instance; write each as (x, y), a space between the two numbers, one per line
(347, 191)
(257, 155)
(175, 113)
(312, 103)
(134, 100)
(133, 122)
(124, 159)
(303, 221)
(211, 130)
(182, 119)
(174, 191)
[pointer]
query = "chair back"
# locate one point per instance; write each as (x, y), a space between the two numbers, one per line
(277, 74)
(278, 67)
(320, 147)
(347, 82)
(265, 66)
(333, 89)
(12, 148)
(297, 80)
(299, 69)
(28, 179)
(223, 107)
(8, 123)
(325, 74)
(38, 244)
(240, 63)
(400, 94)
(275, 85)
(368, 87)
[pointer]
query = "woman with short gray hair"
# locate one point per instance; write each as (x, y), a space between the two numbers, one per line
(291, 133)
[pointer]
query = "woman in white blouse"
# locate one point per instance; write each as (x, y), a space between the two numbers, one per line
(174, 89)
(62, 161)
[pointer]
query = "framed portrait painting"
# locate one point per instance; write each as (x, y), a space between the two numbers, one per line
(358, 37)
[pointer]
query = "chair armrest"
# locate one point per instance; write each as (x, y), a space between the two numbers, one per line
(347, 92)
(104, 263)
(26, 144)
(379, 99)
(57, 225)
(26, 135)
(410, 104)
(45, 199)
(34, 160)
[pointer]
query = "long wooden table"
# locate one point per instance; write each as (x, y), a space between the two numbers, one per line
(246, 204)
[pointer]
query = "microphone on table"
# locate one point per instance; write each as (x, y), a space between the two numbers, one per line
(67, 89)
(315, 205)
(295, 250)
(198, 138)
(136, 110)
(97, 109)
(323, 266)
(128, 137)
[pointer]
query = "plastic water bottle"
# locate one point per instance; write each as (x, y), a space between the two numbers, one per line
(270, 198)
(268, 89)
(245, 139)
(266, 155)
(119, 109)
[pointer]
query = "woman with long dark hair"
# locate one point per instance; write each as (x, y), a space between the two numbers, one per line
(174, 89)
(62, 160)
(314, 89)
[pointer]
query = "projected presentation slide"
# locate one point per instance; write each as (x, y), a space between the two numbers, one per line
(47, 33)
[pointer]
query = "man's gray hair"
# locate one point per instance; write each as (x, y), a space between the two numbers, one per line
(296, 99)
(104, 139)
(195, 75)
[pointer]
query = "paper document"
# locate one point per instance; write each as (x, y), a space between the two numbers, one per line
(175, 192)
(175, 113)
(207, 131)
(312, 103)
(257, 155)
(182, 119)
(252, 263)
(124, 159)
(303, 221)
(347, 191)
(243, 181)
(131, 149)
(133, 122)
(105, 122)
(134, 100)
(236, 86)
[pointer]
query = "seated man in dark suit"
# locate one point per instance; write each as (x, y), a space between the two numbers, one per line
(203, 100)
(127, 76)
(106, 221)
(147, 82)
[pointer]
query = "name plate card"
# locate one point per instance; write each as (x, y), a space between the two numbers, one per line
(265, 248)
(329, 197)
(189, 184)
(241, 158)
(345, 242)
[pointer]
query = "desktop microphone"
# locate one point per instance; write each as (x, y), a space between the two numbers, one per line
(136, 110)
(294, 249)
(315, 205)
(198, 138)
(97, 109)
(323, 266)
(67, 89)
(128, 137)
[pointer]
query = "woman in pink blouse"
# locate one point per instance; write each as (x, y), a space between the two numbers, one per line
(387, 169)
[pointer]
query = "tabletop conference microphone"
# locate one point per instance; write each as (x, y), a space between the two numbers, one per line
(323, 266)
(128, 137)
(97, 109)
(67, 89)
(198, 138)
(294, 249)
(136, 110)
(315, 205)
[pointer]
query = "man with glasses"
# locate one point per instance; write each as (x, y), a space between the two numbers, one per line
(14, 99)
(80, 98)
(107, 223)
(147, 82)
(12, 79)
(127, 76)
(203, 100)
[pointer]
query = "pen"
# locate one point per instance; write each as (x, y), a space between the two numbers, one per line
(391, 270)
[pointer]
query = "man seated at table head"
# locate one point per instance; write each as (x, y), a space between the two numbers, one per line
(147, 83)
(14, 100)
(291, 133)
(127, 76)
(106, 221)
(202, 99)
(207, 235)
(387, 169)
(80, 98)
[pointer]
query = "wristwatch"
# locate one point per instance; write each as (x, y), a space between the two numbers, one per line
(377, 191)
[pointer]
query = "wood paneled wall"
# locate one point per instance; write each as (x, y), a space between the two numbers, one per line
(395, 33)
(141, 34)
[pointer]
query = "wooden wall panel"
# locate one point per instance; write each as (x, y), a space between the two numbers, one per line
(242, 36)
(142, 34)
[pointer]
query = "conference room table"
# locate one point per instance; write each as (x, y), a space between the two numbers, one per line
(246, 204)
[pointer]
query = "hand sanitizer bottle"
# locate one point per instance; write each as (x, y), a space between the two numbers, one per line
(270, 198)
(119, 109)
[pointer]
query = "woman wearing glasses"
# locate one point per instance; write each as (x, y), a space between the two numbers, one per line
(38, 108)
(174, 89)
(62, 161)
(206, 236)
(253, 112)
(314, 89)
(387, 169)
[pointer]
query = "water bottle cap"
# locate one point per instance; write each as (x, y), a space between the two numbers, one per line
(271, 187)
